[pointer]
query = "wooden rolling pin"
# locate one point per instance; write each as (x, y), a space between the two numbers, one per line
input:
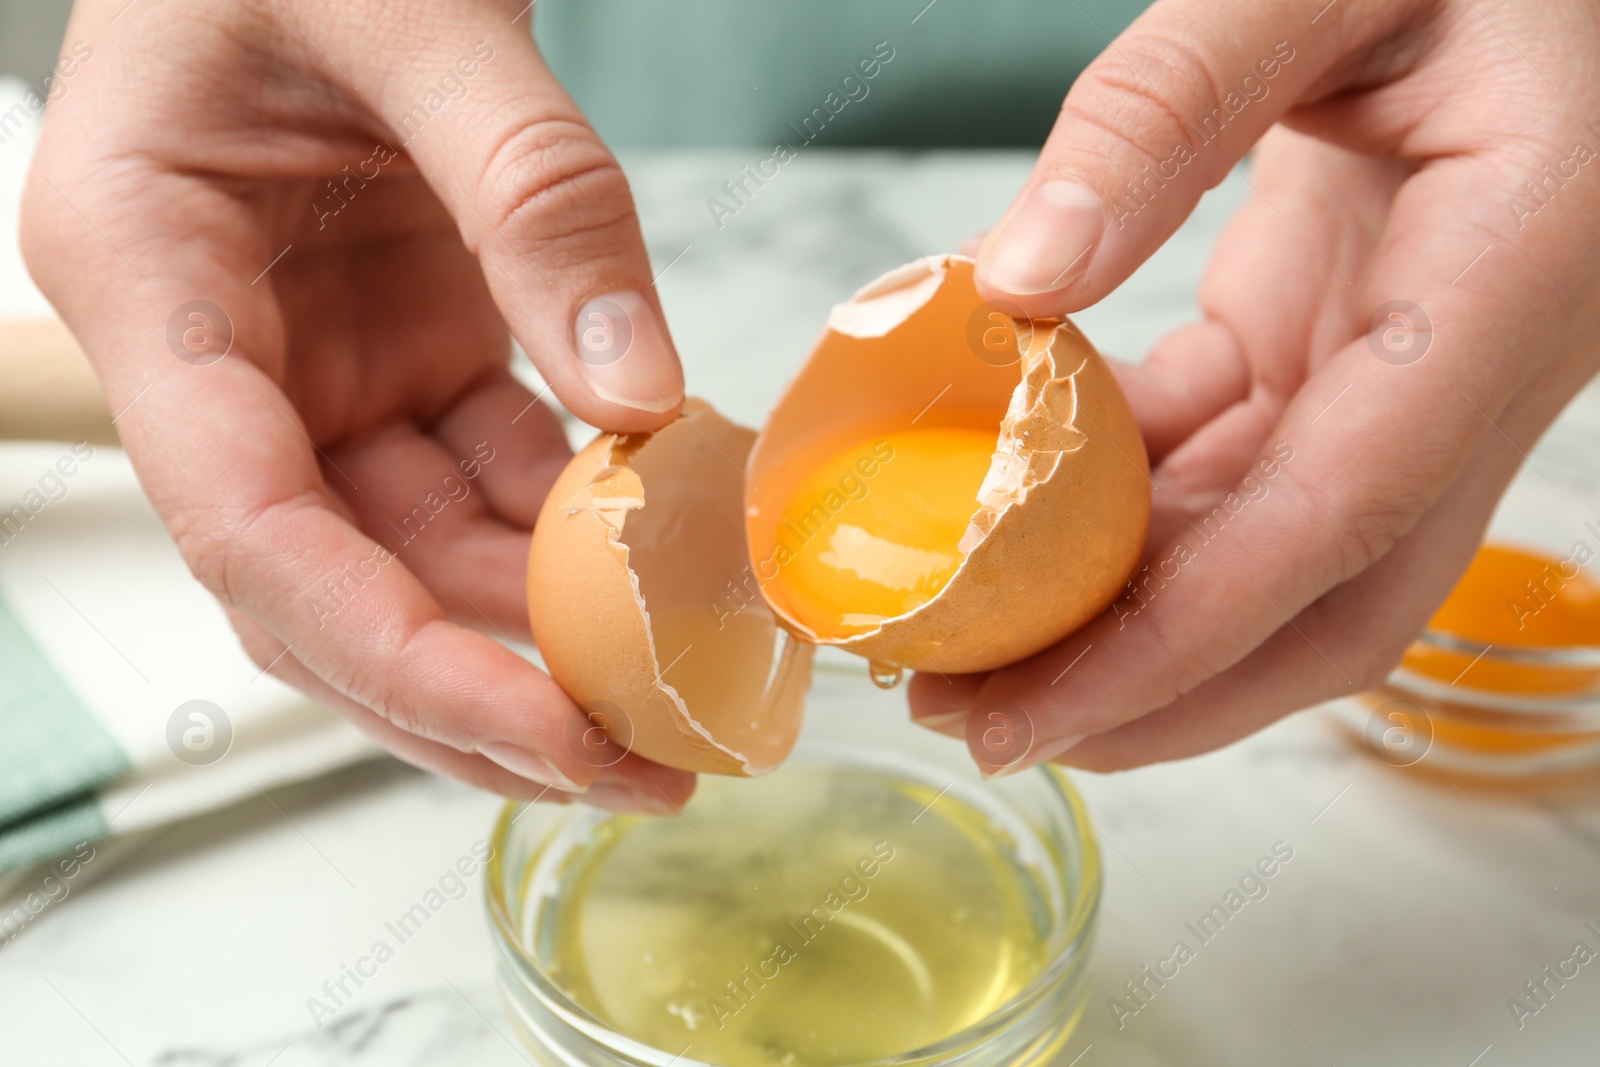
(48, 392)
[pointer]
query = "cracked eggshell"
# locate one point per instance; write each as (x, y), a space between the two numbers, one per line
(1060, 523)
(628, 596)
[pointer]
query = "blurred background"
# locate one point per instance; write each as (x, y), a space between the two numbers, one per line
(986, 73)
(30, 31)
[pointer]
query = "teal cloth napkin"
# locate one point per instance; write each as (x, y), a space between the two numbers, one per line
(53, 755)
(126, 701)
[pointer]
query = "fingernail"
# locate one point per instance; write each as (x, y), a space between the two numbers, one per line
(1048, 243)
(616, 794)
(1042, 754)
(529, 765)
(624, 355)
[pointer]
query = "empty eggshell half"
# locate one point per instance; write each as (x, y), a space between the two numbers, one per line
(637, 541)
(1060, 521)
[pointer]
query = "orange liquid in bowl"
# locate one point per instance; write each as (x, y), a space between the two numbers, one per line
(1515, 612)
(1514, 600)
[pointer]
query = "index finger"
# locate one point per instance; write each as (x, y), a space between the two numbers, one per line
(1161, 116)
(227, 463)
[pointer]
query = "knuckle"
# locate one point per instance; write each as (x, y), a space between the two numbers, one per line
(551, 180)
(1367, 525)
(397, 713)
(1184, 667)
(1189, 669)
(391, 694)
(1358, 521)
(220, 547)
(1145, 92)
(1366, 532)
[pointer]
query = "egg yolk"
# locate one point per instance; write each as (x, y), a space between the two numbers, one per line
(874, 532)
(1509, 598)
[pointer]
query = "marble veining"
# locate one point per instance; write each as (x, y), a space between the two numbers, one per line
(439, 1027)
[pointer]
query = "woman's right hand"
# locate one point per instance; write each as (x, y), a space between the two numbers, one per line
(354, 200)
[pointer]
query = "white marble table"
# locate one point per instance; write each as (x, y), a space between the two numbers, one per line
(1407, 917)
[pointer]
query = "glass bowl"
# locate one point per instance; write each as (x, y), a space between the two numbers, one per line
(851, 726)
(1463, 709)
(1507, 713)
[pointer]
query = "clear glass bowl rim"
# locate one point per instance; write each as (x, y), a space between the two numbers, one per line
(1079, 926)
(1538, 655)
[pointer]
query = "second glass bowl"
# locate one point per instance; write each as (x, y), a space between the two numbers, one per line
(1515, 714)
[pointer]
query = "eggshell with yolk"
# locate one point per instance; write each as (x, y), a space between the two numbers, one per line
(1060, 523)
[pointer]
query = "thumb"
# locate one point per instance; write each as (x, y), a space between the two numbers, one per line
(541, 202)
(1160, 117)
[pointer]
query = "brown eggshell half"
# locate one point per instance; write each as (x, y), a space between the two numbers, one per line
(1061, 520)
(640, 600)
